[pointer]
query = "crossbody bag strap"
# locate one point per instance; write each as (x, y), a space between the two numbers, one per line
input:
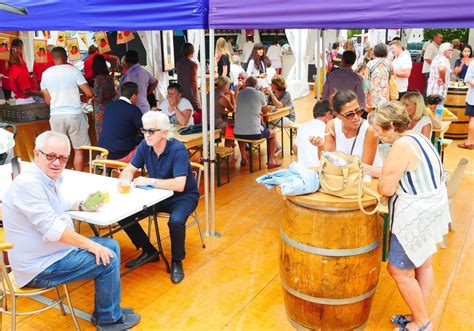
(357, 134)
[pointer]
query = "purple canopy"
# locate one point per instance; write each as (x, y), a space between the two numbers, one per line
(340, 14)
(102, 15)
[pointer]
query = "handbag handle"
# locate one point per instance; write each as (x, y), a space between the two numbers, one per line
(345, 175)
(363, 189)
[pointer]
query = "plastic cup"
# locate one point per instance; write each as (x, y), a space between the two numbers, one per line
(125, 186)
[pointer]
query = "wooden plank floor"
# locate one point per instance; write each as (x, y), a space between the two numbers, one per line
(233, 284)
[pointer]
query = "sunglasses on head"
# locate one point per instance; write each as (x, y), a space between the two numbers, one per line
(53, 157)
(149, 131)
(350, 115)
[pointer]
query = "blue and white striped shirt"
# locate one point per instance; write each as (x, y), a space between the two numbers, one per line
(429, 175)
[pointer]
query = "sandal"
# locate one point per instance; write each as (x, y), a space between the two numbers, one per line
(466, 146)
(273, 165)
(419, 329)
(400, 320)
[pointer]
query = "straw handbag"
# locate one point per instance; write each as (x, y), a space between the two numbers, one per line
(345, 181)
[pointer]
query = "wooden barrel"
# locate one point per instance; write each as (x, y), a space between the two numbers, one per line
(330, 261)
(456, 103)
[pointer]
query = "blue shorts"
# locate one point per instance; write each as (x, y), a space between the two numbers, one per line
(265, 134)
(397, 256)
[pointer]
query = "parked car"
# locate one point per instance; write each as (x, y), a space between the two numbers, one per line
(415, 51)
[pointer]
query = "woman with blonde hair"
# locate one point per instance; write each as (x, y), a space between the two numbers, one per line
(222, 56)
(413, 178)
(421, 120)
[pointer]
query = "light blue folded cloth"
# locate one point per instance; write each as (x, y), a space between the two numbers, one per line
(296, 180)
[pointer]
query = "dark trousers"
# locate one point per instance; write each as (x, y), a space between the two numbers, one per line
(179, 207)
(401, 94)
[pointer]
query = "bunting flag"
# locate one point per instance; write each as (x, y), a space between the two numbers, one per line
(73, 49)
(40, 46)
(102, 42)
(61, 41)
(4, 48)
(83, 37)
(124, 37)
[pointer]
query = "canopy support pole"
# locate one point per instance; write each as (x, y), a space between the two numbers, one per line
(205, 153)
(323, 42)
(318, 69)
(210, 228)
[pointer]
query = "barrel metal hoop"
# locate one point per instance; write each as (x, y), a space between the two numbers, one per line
(327, 251)
(327, 301)
(305, 205)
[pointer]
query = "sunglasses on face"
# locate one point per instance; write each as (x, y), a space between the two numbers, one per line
(351, 114)
(53, 157)
(149, 131)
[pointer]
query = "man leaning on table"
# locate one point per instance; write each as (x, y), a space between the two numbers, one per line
(167, 162)
(46, 249)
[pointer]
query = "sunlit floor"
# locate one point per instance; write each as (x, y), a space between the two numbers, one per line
(234, 283)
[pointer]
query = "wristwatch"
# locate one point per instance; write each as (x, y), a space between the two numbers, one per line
(152, 182)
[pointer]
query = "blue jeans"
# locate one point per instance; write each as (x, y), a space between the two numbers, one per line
(81, 265)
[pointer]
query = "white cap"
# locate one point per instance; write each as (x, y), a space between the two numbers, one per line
(445, 47)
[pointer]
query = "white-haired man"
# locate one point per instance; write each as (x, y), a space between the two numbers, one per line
(167, 162)
(46, 249)
(440, 71)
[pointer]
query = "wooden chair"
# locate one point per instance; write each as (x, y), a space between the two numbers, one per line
(452, 186)
(10, 288)
(103, 153)
(109, 167)
(198, 170)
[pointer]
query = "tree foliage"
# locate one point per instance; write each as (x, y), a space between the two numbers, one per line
(448, 34)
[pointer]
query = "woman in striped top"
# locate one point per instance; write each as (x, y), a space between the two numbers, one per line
(413, 178)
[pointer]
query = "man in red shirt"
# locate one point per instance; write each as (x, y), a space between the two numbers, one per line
(93, 51)
(39, 68)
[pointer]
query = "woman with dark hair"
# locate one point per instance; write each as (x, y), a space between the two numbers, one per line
(413, 178)
(258, 62)
(334, 61)
(465, 59)
(348, 132)
(187, 70)
(379, 73)
(104, 90)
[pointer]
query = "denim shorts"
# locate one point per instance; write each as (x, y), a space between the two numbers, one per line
(397, 256)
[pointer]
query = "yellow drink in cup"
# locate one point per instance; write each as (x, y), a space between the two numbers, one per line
(106, 197)
(125, 186)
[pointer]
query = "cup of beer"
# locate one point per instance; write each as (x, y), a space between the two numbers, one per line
(125, 186)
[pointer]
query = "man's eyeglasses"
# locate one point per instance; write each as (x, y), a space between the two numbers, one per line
(53, 157)
(149, 131)
(350, 115)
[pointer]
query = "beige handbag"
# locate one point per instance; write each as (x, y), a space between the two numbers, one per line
(345, 181)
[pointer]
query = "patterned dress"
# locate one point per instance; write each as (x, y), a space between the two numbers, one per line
(104, 92)
(379, 73)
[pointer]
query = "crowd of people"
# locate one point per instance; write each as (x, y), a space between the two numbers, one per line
(357, 114)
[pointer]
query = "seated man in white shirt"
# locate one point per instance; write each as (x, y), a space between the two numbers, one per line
(177, 108)
(308, 154)
(46, 249)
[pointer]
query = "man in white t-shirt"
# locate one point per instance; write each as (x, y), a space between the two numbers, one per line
(401, 65)
(177, 108)
(308, 154)
(59, 85)
(430, 53)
